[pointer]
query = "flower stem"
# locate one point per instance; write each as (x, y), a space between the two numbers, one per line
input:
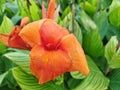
(107, 71)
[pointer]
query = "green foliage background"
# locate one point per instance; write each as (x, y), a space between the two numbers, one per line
(96, 24)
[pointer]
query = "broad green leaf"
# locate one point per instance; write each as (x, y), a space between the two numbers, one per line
(6, 25)
(67, 23)
(29, 9)
(102, 23)
(66, 11)
(78, 32)
(13, 7)
(2, 6)
(112, 31)
(77, 75)
(114, 80)
(16, 19)
(114, 5)
(29, 82)
(93, 2)
(90, 9)
(21, 59)
(59, 80)
(94, 81)
(85, 20)
(92, 43)
(2, 77)
(34, 10)
(112, 54)
(2, 48)
(114, 17)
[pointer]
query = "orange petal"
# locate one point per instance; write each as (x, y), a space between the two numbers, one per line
(30, 33)
(51, 33)
(47, 65)
(15, 41)
(51, 9)
(4, 39)
(44, 12)
(24, 21)
(74, 50)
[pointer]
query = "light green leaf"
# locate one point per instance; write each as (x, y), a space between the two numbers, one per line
(32, 11)
(6, 25)
(77, 75)
(114, 5)
(2, 6)
(90, 9)
(2, 77)
(112, 54)
(2, 48)
(114, 80)
(21, 59)
(78, 32)
(114, 17)
(92, 43)
(66, 11)
(35, 11)
(29, 82)
(94, 81)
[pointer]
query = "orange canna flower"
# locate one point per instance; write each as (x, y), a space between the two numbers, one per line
(13, 39)
(54, 51)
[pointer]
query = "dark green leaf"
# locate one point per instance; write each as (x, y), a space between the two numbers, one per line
(2, 77)
(102, 23)
(85, 20)
(114, 80)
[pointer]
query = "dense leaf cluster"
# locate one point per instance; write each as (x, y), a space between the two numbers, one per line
(96, 24)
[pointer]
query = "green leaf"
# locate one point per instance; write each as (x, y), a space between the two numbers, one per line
(78, 32)
(90, 9)
(2, 77)
(35, 11)
(114, 80)
(2, 6)
(29, 82)
(6, 25)
(21, 59)
(112, 54)
(67, 23)
(12, 7)
(85, 20)
(114, 17)
(92, 43)
(94, 81)
(2, 48)
(102, 23)
(77, 75)
(66, 11)
(114, 5)
(29, 9)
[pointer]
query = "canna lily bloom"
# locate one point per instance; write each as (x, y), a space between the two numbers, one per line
(13, 39)
(54, 51)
